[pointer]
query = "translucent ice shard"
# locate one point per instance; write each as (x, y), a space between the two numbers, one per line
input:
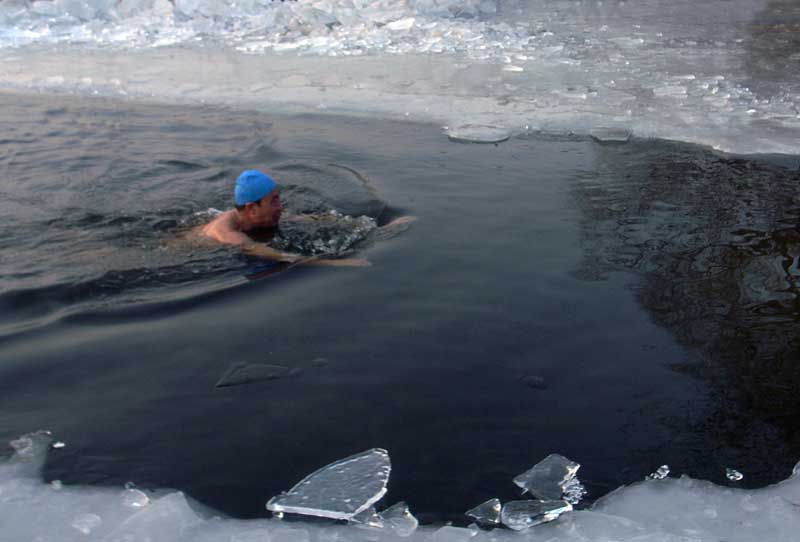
(660, 473)
(519, 515)
(400, 519)
(547, 479)
(244, 373)
(733, 475)
(478, 133)
(340, 490)
(487, 513)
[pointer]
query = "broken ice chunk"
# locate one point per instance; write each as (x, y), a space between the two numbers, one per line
(340, 490)
(519, 515)
(57, 445)
(478, 133)
(548, 478)
(733, 475)
(660, 473)
(487, 513)
(400, 519)
(244, 373)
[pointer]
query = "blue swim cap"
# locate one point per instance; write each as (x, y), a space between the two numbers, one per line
(251, 186)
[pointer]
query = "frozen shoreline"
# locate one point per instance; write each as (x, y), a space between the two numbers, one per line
(668, 510)
(447, 89)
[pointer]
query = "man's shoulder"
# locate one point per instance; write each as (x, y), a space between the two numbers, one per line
(223, 229)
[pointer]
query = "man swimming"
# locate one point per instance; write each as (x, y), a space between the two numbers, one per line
(258, 207)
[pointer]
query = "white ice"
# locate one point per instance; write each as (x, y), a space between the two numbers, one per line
(715, 72)
(669, 510)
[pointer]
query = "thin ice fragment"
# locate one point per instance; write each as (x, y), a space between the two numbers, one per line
(340, 490)
(547, 479)
(400, 519)
(733, 475)
(660, 473)
(477, 133)
(520, 515)
(243, 373)
(487, 513)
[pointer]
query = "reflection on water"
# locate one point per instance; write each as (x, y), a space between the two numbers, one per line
(717, 245)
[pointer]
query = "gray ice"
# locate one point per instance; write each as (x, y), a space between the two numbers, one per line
(478, 133)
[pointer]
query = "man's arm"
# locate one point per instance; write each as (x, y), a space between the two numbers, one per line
(261, 251)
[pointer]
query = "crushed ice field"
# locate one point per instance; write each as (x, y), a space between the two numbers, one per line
(658, 509)
(721, 73)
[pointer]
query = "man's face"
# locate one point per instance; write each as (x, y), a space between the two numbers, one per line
(267, 211)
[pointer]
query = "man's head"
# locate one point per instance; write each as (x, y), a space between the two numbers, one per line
(257, 200)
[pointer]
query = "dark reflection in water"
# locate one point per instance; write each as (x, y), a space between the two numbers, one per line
(773, 48)
(716, 241)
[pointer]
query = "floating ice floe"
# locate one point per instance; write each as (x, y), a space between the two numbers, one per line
(340, 490)
(548, 479)
(244, 373)
(478, 133)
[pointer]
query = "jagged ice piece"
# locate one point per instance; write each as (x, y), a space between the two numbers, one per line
(340, 490)
(520, 515)
(400, 519)
(487, 513)
(548, 478)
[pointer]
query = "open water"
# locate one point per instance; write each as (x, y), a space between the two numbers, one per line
(624, 304)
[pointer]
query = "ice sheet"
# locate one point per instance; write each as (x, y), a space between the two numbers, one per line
(716, 72)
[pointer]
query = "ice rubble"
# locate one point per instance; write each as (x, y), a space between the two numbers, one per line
(668, 510)
(709, 72)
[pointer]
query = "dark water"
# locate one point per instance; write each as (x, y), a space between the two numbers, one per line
(624, 305)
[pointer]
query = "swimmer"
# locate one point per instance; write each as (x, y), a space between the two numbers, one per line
(258, 208)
